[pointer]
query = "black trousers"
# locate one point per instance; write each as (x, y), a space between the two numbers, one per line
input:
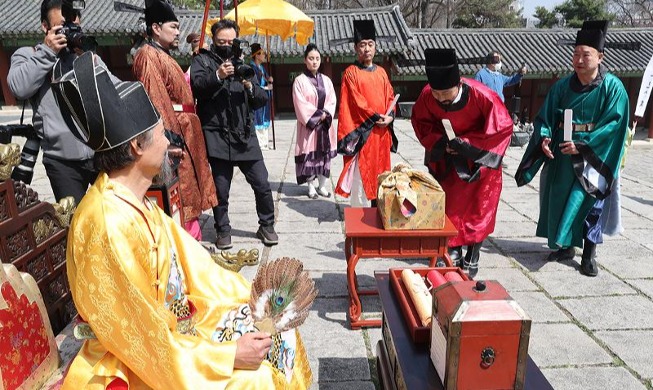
(256, 175)
(69, 177)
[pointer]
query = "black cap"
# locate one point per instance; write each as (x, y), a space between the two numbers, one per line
(593, 34)
(254, 48)
(159, 11)
(107, 115)
(442, 68)
(364, 29)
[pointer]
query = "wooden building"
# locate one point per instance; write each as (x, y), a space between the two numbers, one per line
(547, 61)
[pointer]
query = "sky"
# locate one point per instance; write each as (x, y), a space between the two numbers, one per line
(529, 6)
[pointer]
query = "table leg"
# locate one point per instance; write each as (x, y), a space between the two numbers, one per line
(354, 301)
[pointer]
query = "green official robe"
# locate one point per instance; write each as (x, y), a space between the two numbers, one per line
(572, 183)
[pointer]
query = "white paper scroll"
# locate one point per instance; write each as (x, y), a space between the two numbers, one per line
(448, 129)
(567, 124)
(645, 90)
(392, 105)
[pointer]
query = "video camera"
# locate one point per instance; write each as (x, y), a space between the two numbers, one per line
(25, 170)
(242, 71)
(71, 10)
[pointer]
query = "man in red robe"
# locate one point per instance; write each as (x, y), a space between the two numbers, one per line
(466, 158)
(171, 95)
(365, 134)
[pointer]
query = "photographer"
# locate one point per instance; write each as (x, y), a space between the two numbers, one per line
(227, 94)
(68, 162)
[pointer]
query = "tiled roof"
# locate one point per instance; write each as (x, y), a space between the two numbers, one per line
(535, 47)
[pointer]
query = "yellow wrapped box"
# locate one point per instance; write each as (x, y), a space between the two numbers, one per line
(410, 199)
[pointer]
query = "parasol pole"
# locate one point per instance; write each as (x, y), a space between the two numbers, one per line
(236, 12)
(207, 5)
(267, 44)
(221, 9)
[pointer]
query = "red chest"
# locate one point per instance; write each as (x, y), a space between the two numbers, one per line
(479, 337)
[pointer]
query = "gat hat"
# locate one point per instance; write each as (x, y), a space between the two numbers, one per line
(107, 116)
(364, 29)
(254, 48)
(592, 34)
(159, 11)
(442, 68)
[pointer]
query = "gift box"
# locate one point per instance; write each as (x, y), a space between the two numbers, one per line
(410, 199)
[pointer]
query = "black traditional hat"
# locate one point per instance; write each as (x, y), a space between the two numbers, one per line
(159, 11)
(107, 116)
(442, 68)
(593, 34)
(364, 29)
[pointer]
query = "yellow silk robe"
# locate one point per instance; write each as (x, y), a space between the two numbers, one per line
(118, 260)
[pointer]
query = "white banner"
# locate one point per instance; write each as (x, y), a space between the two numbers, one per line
(645, 90)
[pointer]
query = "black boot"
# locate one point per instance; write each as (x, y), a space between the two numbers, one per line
(562, 254)
(456, 255)
(588, 265)
(470, 264)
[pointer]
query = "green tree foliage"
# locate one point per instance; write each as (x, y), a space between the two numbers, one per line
(547, 19)
(487, 14)
(575, 12)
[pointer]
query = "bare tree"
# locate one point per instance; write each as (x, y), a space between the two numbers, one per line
(632, 13)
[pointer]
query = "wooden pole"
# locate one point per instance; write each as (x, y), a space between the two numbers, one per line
(221, 9)
(205, 20)
(267, 43)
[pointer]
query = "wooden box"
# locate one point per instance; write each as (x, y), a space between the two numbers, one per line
(168, 197)
(479, 337)
(419, 333)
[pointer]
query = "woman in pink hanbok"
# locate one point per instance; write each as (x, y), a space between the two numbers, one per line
(315, 103)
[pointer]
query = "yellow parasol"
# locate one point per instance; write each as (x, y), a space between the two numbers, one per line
(270, 17)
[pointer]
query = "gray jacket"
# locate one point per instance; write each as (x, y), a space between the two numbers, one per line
(29, 77)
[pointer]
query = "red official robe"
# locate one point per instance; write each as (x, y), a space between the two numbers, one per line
(471, 179)
(165, 84)
(364, 95)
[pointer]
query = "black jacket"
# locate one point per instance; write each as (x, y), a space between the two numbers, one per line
(226, 110)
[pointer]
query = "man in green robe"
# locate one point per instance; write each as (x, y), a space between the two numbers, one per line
(580, 169)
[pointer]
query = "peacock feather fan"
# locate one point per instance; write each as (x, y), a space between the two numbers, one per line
(282, 294)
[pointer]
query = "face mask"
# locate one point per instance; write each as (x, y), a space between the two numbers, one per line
(223, 52)
(497, 67)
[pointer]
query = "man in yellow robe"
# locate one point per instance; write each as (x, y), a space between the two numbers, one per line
(156, 311)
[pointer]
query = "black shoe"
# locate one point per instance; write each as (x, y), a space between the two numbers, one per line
(562, 254)
(588, 265)
(456, 255)
(223, 241)
(267, 235)
(470, 263)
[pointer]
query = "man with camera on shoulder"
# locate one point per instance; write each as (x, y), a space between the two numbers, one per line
(68, 162)
(227, 94)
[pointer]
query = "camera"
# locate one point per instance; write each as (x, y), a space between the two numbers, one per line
(242, 71)
(25, 170)
(71, 10)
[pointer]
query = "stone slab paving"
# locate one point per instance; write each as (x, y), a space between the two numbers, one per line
(582, 342)
(634, 347)
(567, 283)
(611, 312)
(592, 378)
(556, 345)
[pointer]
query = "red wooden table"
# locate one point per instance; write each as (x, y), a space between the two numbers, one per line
(366, 238)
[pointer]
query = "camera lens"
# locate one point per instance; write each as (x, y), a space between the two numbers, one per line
(25, 170)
